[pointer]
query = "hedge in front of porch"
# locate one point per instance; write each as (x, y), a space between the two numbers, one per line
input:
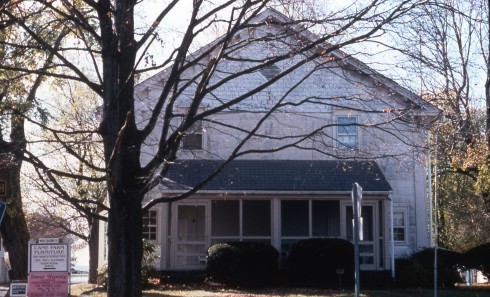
(242, 262)
(323, 261)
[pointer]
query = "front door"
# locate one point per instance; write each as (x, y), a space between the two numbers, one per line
(191, 242)
(367, 247)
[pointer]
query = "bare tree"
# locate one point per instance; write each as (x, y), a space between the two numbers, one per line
(116, 47)
(445, 45)
(72, 210)
(17, 99)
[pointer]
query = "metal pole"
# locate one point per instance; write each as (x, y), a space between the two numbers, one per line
(356, 208)
(435, 223)
(392, 238)
(429, 179)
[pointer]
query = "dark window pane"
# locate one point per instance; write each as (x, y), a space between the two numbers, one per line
(294, 218)
(326, 218)
(256, 218)
(225, 218)
(192, 142)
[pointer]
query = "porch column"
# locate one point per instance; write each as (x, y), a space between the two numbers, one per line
(276, 223)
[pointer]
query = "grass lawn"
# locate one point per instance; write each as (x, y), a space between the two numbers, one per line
(90, 290)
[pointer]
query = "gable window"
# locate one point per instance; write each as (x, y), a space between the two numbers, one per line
(399, 226)
(346, 133)
(150, 225)
(270, 71)
(193, 139)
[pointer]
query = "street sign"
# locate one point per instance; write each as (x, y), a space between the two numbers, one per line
(3, 208)
(18, 289)
(49, 257)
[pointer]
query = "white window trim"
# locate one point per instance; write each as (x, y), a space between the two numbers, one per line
(338, 145)
(157, 227)
(405, 227)
(195, 131)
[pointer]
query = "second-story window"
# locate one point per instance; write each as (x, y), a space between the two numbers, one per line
(346, 133)
(193, 139)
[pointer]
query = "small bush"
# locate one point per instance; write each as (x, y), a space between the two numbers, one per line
(418, 270)
(148, 269)
(242, 262)
(150, 256)
(317, 260)
(478, 258)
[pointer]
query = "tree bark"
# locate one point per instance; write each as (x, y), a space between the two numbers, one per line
(93, 250)
(125, 247)
(14, 226)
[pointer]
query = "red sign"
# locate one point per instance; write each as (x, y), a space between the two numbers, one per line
(48, 284)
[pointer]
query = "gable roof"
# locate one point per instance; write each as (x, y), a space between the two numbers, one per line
(272, 17)
(276, 176)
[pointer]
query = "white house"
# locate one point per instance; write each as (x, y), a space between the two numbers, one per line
(335, 121)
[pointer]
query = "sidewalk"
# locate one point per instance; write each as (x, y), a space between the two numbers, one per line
(3, 290)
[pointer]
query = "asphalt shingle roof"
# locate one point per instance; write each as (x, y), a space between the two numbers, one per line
(276, 175)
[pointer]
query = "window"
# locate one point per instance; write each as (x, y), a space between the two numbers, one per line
(326, 218)
(256, 216)
(305, 218)
(193, 139)
(346, 133)
(270, 71)
(399, 226)
(225, 218)
(295, 218)
(150, 225)
(240, 220)
(301, 219)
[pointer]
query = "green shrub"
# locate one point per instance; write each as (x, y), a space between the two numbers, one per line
(478, 258)
(317, 260)
(242, 262)
(150, 255)
(418, 270)
(148, 269)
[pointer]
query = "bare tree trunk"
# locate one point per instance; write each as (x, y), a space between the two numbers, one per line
(125, 248)
(14, 226)
(93, 250)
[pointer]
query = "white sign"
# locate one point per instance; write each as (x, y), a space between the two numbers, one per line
(48, 240)
(49, 257)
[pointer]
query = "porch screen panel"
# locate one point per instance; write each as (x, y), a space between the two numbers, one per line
(326, 218)
(225, 218)
(368, 220)
(294, 217)
(256, 218)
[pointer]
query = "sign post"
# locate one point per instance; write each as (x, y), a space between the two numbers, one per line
(358, 232)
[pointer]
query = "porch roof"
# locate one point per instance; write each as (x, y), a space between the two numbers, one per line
(276, 176)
